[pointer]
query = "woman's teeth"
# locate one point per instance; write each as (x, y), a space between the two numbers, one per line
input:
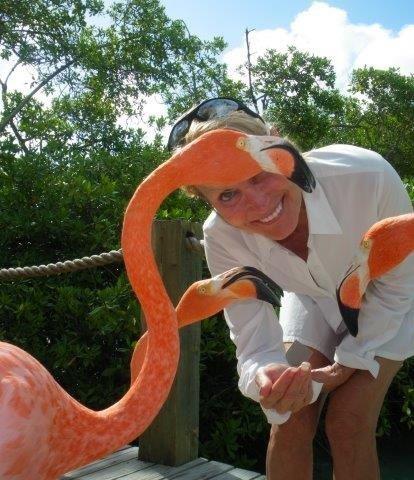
(273, 215)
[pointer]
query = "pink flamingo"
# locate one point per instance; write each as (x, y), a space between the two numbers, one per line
(44, 431)
(384, 246)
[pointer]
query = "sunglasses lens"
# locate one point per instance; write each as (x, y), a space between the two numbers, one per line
(214, 108)
(218, 107)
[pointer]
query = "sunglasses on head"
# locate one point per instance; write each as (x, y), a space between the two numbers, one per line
(207, 110)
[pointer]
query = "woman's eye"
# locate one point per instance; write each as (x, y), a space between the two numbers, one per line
(227, 195)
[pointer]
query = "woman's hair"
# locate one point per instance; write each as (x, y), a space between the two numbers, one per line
(238, 120)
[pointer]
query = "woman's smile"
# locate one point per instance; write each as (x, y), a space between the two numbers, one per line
(273, 216)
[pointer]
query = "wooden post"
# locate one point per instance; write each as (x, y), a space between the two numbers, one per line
(172, 439)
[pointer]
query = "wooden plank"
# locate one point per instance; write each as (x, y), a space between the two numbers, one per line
(239, 474)
(162, 472)
(172, 439)
(205, 471)
(117, 457)
(119, 470)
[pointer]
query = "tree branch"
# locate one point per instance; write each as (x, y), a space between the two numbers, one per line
(25, 101)
(19, 138)
(249, 71)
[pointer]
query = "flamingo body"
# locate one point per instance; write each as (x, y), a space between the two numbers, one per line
(44, 432)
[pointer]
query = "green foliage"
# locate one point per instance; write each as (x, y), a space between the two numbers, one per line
(409, 186)
(298, 94)
(80, 326)
(382, 116)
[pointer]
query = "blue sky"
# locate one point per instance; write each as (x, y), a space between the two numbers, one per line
(229, 18)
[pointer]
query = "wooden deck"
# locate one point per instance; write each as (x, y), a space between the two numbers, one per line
(125, 465)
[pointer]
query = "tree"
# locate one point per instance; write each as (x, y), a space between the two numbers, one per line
(381, 116)
(297, 93)
(201, 76)
(68, 167)
(140, 53)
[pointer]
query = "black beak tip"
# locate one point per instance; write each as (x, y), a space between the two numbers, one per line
(266, 289)
(303, 177)
(349, 316)
(264, 293)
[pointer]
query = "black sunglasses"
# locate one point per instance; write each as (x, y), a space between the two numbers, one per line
(207, 110)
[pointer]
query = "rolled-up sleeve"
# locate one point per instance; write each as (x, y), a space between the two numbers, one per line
(254, 327)
(387, 300)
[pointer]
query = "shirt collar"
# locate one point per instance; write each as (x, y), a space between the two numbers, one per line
(321, 218)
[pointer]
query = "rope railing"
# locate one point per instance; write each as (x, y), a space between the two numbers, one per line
(106, 258)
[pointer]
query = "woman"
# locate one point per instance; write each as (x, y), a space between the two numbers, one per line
(304, 241)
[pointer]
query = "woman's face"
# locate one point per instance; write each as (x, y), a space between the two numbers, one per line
(268, 204)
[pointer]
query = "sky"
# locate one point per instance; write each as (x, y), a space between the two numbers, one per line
(229, 18)
(351, 33)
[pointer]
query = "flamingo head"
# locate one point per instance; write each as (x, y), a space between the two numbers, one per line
(207, 297)
(223, 157)
(352, 287)
(278, 155)
(384, 246)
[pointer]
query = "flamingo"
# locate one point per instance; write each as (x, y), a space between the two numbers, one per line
(384, 246)
(207, 297)
(44, 431)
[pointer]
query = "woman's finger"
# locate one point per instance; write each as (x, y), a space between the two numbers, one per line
(298, 390)
(279, 388)
(302, 402)
(264, 383)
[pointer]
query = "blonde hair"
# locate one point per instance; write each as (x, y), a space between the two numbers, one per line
(238, 120)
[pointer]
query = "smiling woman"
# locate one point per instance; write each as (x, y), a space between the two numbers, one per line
(301, 223)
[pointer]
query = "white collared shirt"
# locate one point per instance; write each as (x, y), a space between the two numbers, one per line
(355, 188)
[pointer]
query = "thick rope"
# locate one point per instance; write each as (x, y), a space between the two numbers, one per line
(114, 256)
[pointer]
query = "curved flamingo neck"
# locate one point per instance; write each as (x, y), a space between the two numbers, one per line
(109, 429)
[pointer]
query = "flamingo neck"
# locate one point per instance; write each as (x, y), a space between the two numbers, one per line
(110, 429)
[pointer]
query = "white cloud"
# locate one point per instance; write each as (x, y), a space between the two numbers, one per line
(327, 31)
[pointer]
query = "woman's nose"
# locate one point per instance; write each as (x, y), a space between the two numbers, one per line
(256, 198)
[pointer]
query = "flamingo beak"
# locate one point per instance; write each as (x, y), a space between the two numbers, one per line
(300, 174)
(348, 289)
(266, 289)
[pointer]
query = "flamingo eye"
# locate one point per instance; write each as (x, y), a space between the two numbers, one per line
(202, 290)
(241, 143)
(365, 243)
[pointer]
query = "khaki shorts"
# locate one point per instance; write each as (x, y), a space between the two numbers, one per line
(301, 319)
